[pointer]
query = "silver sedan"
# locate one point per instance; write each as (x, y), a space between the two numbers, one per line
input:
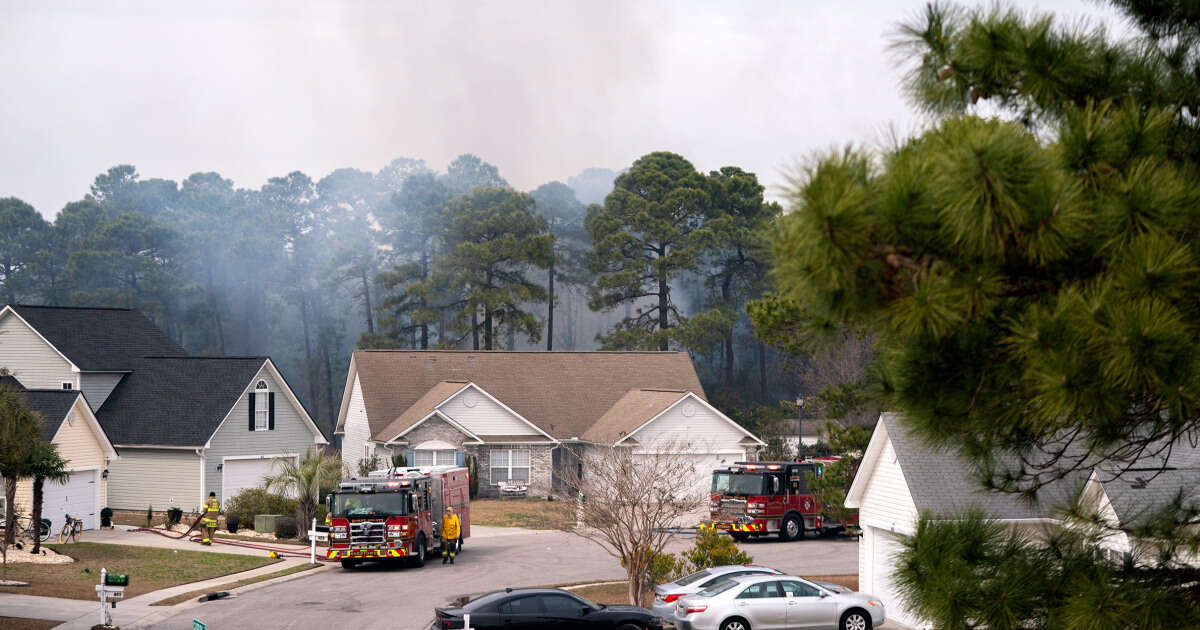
(776, 602)
(665, 595)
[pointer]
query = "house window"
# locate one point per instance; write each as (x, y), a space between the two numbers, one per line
(433, 458)
(68, 385)
(510, 464)
(262, 409)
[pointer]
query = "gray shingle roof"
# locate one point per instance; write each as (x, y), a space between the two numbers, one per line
(942, 482)
(1137, 496)
(175, 401)
(52, 404)
(99, 339)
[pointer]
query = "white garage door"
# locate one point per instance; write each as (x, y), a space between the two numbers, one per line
(77, 497)
(239, 474)
(886, 548)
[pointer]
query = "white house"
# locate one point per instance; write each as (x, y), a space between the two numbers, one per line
(527, 415)
(901, 477)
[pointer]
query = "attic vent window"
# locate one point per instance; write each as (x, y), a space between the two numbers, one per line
(689, 410)
(470, 400)
(68, 386)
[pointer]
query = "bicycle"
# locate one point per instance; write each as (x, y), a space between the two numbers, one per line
(71, 529)
(24, 527)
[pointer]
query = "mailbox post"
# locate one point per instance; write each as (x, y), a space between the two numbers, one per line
(111, 587)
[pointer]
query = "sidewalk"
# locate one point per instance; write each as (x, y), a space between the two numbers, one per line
(137, 611)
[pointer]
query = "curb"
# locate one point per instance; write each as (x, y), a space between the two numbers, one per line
(170, 611)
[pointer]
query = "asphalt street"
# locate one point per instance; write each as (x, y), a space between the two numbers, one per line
(383, 596)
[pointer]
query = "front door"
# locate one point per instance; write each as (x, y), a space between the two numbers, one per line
(806, 608)
(763, 605)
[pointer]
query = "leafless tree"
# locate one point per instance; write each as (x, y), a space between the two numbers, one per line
(628, 499)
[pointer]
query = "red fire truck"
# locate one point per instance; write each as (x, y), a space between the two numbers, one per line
(396, 514)
(760, 498)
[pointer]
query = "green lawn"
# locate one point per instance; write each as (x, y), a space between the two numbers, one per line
(149, 569)
(183, 597)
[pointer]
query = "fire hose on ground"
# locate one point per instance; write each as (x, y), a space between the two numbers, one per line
(282, 551)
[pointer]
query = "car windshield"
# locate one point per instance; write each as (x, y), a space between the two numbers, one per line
(384, 503)
(684, 581)
(739, 485)
(718, 588)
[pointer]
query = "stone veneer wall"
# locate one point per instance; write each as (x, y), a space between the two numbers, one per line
(540, 467)
(432, 429)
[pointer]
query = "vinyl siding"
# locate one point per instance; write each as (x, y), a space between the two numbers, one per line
(886, 501)
(32, 361)
(486, 417)
(78, 444)
(703, 432)
(161, 478)
(291, 435)
(96, 386)
(356, 431)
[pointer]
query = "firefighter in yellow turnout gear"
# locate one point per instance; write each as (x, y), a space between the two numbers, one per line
(451, 530)
(212, 509)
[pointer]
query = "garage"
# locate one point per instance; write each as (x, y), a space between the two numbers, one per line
(885, 547)
(76, 497)
(237, 474)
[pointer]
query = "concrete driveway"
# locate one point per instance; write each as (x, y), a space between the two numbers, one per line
(381, 596)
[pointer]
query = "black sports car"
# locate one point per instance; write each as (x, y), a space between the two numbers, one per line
(537, 608)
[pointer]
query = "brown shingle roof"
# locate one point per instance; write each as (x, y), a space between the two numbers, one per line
(420, 409)
(564, 393)
(630, 412)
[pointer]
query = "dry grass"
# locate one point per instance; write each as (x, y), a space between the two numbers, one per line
(149, 569)
(21, 623)
(183, 597)
(605, 594)
(528, 513)
(618, 593)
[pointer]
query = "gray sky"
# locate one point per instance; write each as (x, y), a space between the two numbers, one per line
(541, 89)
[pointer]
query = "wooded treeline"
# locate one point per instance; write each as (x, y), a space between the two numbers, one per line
(659, 256)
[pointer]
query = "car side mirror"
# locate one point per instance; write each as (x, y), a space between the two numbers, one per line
(823, 594)
(586, 610)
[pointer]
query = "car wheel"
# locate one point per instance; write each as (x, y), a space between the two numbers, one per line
(739, 536)
(349, 564)
(630, 626)
(736, 623)
(855, 620)
(792, 528)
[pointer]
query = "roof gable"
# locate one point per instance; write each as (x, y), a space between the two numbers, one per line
(942, 482)
(562, 393)
(98, 339)
(1137, 497)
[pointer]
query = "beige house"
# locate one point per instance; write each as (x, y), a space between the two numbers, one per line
(69, 423)
(527, 416)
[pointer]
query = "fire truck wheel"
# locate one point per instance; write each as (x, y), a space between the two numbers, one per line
(418, 558)
(739, 536)
(349, 564)
(792, 528)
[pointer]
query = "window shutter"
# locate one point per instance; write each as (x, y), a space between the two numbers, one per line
(460, 458)
(271, 411)
(410, 457)
(251, 411)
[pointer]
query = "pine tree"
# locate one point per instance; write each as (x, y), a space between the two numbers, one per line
(1029, 281)
(648, 232)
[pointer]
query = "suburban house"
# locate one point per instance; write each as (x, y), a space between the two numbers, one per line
(806, 431)
(183, 426)
(900, 477)
(528, 416)
(1133, 499)
(69, 423)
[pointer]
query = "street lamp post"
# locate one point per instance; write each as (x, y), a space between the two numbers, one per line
(799, 427)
